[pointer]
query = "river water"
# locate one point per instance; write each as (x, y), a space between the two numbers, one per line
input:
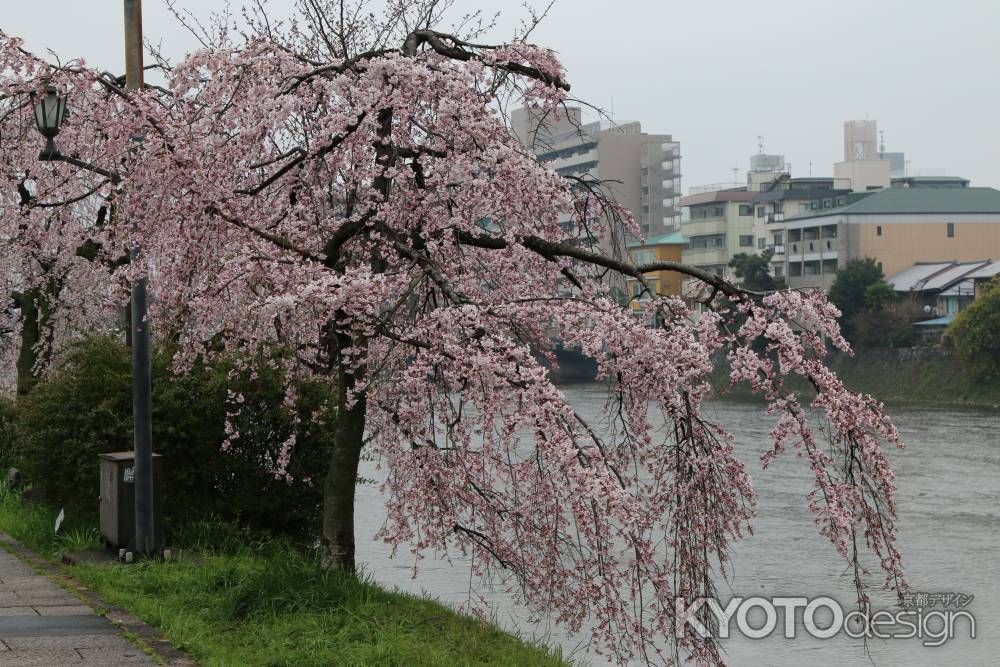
(949, 534)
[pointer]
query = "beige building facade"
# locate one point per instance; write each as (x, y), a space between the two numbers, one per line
(897, 227)
(720, 224)
(642, 170)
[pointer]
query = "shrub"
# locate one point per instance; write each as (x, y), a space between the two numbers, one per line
(849, 291)
(976, 334)
(887, 325)
(84, 408)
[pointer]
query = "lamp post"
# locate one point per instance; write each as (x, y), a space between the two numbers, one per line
(50, 112)
(146, 539)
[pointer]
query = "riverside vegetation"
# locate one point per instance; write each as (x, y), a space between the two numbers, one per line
(250, 599)
(248, 594)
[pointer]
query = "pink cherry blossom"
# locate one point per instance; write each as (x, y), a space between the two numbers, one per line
(363, 205)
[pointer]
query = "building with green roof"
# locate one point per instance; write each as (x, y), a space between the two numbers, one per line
(898, 227)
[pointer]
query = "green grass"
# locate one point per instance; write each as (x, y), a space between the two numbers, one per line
(33, 525)
(250, 600)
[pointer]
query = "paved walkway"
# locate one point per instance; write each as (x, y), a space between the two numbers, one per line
(42, 625)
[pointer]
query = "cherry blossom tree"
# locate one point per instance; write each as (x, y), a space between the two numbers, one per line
(346, 186)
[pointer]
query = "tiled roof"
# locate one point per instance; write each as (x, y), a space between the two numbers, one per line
(987, 271)
(918, 200)
(949, 276)
(933, 277)
(914, 276)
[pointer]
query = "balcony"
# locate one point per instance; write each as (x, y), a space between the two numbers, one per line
(777, 249)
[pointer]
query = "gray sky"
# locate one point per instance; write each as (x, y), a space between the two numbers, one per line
(714, 73)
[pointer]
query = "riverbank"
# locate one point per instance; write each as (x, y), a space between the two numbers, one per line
(243, 599)
(909, 375)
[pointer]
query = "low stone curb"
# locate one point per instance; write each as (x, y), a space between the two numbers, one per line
(134, 629)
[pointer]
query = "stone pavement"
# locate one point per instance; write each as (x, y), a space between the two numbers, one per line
(42, 625)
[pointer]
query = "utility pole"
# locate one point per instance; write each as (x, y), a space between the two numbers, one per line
(146, 539)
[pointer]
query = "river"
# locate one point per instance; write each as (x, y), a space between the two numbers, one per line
(949, 533)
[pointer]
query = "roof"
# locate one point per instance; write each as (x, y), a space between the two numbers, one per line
(934, 277)
(797, 194)
(918, 200)
(717, 196)
(670, 238)
(986, 272)
(929, 179)
(915, 276)
(936, 322)
(952, 275)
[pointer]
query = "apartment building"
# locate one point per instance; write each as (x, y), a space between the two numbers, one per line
(783, 197)
(642, 170)
(897, 227)
(720, 225)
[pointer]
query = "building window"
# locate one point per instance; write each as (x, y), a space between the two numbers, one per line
(951, 230)
(719, 211)
(643, 256)
(746, 209)
(828, 247)
(827, 203)
(794, 270)
(779, 272)
(761, 243)
(779, 207)
(811, 246)
(761, 211)
(746, 241)
(878, 231)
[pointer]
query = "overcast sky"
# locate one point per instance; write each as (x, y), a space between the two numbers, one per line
(714, 73)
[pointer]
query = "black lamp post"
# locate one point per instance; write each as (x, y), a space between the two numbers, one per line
(50, 113)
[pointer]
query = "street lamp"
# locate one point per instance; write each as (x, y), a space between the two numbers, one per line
(50, 113)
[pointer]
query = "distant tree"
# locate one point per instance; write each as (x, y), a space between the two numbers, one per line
(849, 292)
(753, 271)
(887, 324)
(880, 295)
(976, 332)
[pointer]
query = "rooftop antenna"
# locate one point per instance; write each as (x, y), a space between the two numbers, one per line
(760, 144)
(810, 168)
(612, 111)
(881, 147)
(736, 176)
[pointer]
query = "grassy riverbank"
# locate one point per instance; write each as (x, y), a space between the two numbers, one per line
(241, 599)
(919, 375)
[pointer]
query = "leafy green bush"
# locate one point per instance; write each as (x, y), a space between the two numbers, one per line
(83, 408)
(849, 291)
(976, 334)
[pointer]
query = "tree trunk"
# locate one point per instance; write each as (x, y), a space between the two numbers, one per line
(337, 544)
(28, 355)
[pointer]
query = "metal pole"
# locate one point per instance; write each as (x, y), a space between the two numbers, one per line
(146, 539)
